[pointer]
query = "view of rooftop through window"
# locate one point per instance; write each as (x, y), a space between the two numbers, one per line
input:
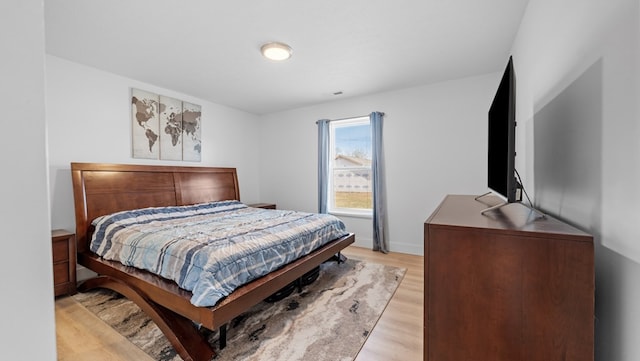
(351, 165)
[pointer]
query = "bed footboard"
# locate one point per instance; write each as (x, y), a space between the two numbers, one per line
(170, 308)
(190, 344)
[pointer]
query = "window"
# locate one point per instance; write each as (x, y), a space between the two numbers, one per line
(350, 167)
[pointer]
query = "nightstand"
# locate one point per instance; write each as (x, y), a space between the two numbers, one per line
(63, 245)
(263, 205)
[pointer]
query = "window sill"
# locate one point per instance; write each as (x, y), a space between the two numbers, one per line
(368, 215)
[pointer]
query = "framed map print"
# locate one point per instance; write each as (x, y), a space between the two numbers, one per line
(191, 145)
(170, 128)
(164, 128)
(146, 124)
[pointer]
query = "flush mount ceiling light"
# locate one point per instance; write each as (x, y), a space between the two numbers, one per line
(276, 51)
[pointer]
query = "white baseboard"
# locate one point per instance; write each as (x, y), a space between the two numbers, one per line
(398, 247)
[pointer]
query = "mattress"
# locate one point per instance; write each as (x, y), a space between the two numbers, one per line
(211, 248)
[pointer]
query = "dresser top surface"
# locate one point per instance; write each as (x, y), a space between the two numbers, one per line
(466, 211)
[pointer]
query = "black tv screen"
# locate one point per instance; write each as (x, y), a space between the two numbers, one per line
(502, 133)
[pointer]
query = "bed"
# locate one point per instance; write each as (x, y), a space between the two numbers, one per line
(104, 189)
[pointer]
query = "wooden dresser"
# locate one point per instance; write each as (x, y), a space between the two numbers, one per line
(508, 285)
(63, 245)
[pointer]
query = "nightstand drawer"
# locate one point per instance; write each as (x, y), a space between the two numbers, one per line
(63, 253)
(60, 273)
(60, 250)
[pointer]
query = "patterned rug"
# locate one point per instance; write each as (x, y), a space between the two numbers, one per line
(329, 320)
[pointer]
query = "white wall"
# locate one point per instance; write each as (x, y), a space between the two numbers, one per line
(579, 61)
(89, 118)
(434, 144)
(27, 311)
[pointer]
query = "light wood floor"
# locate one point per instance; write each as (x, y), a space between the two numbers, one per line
(81, 336)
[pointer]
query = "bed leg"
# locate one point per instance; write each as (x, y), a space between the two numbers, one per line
(223, 336)
(180, 331)
(338, 257)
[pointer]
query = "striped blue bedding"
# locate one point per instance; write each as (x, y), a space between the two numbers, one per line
(212, 248)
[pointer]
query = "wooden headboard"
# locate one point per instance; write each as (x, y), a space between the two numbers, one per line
(100, 189)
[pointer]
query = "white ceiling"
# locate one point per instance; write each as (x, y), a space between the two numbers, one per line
(210, 49)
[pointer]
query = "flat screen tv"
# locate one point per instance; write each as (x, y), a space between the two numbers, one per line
(501, 177)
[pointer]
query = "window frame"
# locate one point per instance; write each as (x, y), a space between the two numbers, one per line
(331, 207)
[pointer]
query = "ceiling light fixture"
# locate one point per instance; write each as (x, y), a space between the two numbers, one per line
(276, 51)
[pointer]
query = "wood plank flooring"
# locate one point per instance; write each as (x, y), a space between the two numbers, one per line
(81, 336)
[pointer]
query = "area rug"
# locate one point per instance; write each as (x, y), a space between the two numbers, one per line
(329, 320)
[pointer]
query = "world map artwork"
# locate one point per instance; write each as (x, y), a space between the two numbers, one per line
(165, 128)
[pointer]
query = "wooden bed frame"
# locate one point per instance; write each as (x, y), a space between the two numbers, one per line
(101, 189)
